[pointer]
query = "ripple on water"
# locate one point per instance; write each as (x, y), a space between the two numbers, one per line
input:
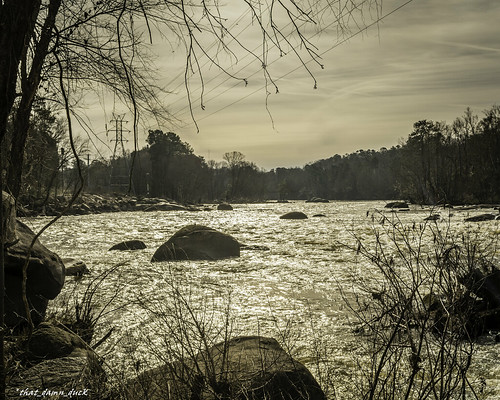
(292, 289)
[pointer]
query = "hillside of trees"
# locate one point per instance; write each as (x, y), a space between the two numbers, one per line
(453, 163)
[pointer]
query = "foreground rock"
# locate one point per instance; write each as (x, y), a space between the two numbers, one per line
(251, 367)
(294, 215)
(62, 363)
(45, 274)
(129, 245)
(49, 341)
(197, 242)
(397, 204)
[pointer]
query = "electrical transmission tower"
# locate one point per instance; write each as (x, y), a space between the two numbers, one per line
(119, 162)
(118, 121)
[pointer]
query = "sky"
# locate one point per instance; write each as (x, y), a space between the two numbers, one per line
(427, 60)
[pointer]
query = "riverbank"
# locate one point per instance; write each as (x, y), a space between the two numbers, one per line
(88, 203)
(96, 204)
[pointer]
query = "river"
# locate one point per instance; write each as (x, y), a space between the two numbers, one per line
(291, 291)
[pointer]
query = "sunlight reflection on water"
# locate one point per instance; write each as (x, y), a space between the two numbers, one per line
(296, 281)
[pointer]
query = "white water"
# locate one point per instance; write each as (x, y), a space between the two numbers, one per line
(294, 289)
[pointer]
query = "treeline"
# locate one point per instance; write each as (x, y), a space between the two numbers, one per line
(437, 163)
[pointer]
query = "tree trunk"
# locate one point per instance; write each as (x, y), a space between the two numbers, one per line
(17, 21)
(29, 87)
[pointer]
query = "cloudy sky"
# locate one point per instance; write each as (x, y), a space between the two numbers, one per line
(428, 60)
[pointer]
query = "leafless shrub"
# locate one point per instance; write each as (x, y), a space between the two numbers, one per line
(416, 311)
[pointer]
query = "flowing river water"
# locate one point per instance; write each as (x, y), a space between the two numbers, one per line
(292, 291)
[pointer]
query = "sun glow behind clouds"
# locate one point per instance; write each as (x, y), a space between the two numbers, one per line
(430, 60)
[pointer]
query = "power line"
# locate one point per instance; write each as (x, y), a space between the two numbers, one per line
(248, 53)
(217, 41)
(307, 62)
(340, 16)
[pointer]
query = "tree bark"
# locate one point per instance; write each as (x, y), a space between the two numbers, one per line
(17, 22)
(29, 87)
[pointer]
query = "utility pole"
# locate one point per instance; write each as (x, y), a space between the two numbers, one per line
(118, 121)
(88, 172)
(62, 171)
(118, 179)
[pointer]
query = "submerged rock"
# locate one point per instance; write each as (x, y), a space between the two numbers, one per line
(197, 242)
(258, 247)
(317, 200)
(248, 367)
(480, 218)
(397, 204)
(294, 215)
(75, 267)
(129, 245)
(165, 207)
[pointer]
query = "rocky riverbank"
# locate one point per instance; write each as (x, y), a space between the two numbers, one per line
(96, 204)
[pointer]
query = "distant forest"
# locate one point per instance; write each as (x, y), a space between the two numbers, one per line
(437, 163)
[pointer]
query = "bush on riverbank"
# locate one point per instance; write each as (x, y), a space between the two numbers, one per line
(417, 310)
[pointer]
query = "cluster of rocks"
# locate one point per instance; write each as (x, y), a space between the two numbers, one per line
(96, 204)
(404, 206)
(476, 311)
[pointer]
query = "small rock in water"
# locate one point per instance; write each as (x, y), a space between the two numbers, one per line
(480, 218)
(397, 204)
(75, 268)
(129, 245)
(253, 247)
(294, 215)
(225, 207)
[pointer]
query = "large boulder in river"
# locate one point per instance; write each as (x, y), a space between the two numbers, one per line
(294, 215)
(248, 367)
(45, 277)
(197, 242)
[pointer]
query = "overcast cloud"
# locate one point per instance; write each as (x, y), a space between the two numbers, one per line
(429, 60)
